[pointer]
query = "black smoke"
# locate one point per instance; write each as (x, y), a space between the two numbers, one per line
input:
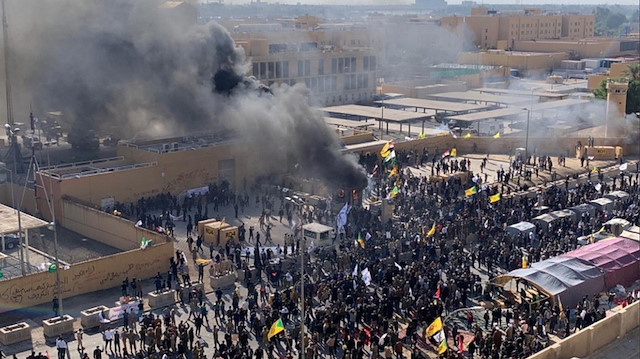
(133, 67)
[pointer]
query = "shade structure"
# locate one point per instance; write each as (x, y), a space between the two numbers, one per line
(544, 221)
(619, 258)
(521, 228)
(565, 277)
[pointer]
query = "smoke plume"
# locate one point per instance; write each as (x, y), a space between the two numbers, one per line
(136, 67)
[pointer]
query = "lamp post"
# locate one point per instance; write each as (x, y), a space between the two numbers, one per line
(52, 227)
(17, 208)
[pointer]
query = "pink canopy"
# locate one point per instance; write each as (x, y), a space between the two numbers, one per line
(619, 258)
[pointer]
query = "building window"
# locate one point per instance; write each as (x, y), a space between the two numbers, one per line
(321, 67)
(278, 70)
(270, 70)
(263, 70)
(341, 65)
(300, 68)
(307, 67)
(334, 66)
(353, 64)
(365, 63)
(372, 63)
(256, 70)
(285, 68)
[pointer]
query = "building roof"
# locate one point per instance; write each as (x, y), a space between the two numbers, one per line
(487, 115)
(476, 96)
(549, 105)
(317, 227)
(9, 220)
(519, 92)
(377, 113)
(340, 122)
(433, 104)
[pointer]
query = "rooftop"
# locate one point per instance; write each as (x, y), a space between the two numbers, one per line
(436, 105)
(9, 220)
(378, 113)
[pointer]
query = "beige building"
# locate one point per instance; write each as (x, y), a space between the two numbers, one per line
(336, 62)
(522, 61)
(595, 47)
(617, 71)
(490, 27)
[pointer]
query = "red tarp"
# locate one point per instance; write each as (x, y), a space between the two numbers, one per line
(619, 258)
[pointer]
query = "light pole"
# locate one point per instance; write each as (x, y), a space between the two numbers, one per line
(302, 313)
(52, 227)
(17, 208)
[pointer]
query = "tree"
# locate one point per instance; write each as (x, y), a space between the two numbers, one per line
(633, 93)
(601, 91)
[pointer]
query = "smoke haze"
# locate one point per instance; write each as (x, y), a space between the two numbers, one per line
(129, 65)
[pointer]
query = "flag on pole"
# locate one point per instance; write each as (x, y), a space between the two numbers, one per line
(446, 153)
(454, 152)
(276, 328)
(342, 216)
(355, 270)
(437, 295)
(471, 191)
(460, 343)
(594, 169)
(623, 167)
(386, 149)
(366, 276)
(375, 170)
(560, 304)
(421, 136)
(468, 135)
(395, 191)
(591, 239)
(434, 328)
(367, 236)
(443, 347)
(53, 267)
(525, 261)
(432, 231)
(497, 135)
(360, 240)
(495, 198)
(391, 156)
(394, 171)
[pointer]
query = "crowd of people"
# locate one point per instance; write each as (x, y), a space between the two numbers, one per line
(374, 298)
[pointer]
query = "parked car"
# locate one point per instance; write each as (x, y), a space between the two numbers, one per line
(10, 242)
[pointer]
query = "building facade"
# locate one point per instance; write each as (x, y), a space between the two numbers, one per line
(336, 62)
(490, 27)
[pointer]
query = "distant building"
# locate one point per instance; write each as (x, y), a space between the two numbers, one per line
(431, 4)
(337, 62)
(492, 29)
(181, 13)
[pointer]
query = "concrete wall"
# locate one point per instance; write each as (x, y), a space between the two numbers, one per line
(514, 60)
(104, 227)
(103, 273)
(595, 336)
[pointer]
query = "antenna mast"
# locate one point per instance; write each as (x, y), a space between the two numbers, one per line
(7, 82)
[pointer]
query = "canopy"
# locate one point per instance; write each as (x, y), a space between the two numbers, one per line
(521, 228)
(545, 220)
(602, 204)
(583, 208)
(565, 277)
(617, 196)
(619, 258)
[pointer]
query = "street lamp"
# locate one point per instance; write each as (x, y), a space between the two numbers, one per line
(17, 208)
(52, 227)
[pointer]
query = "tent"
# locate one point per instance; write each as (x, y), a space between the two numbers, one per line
(602, 204)
(544, 221)
(565, 277)
(583, 208)
(619, 258)
(521, 228)
(617, 196)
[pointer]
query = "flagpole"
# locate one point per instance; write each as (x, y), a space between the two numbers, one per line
(302, 314)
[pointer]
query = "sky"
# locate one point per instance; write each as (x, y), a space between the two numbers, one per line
(451, 2)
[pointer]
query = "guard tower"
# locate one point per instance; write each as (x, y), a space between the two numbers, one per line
(616, 101)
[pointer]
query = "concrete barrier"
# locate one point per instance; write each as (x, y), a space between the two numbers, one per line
(195, 284)
(55, 326)
(90, 318)
(15, 333)
(162, 299)
(595, 336)
(224, 281)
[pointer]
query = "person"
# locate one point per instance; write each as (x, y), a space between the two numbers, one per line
(55, 303)
(61, 345)
(108, 339)
(79, 335)
(97, 353)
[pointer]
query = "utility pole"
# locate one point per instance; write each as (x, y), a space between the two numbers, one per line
(302, 313)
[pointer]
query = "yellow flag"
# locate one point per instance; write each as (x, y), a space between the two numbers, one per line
(525, 262)
(432, 231)
(203, 261)
(276, 328)
(386, 150)
(394, 171)
(594, 170)
(468, 135)
(453, 152)
(442, 347)
(422, 135)
(495, 198)
(470, 192)
(591, 239)
(434, 328)
(497, 135)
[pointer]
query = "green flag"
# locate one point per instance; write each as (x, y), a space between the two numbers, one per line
(53, 267)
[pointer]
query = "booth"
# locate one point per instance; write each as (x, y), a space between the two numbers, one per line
(521, 230)
(319, 234)
(545, 221)
(602, 204)
(618, 197)
(616, 226)
(583, 208)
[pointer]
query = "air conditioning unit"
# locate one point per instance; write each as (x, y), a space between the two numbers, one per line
(166, 147)
(175, 146)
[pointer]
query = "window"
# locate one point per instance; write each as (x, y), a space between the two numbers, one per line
(341, 65)
(256, 70)
(334, 66)
(270, 70)
(263, 70)
(321, 67)
(300, 68)
(285, 68)
(307, 67)
(278, 70)
(372, 63)
(353, 64)
(365, 63)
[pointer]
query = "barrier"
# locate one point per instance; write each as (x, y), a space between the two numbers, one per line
(90, 318)
(223, 281)
(53, 327)
(162, 299)
(195, 284)
(595, 336)
(15, 333)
